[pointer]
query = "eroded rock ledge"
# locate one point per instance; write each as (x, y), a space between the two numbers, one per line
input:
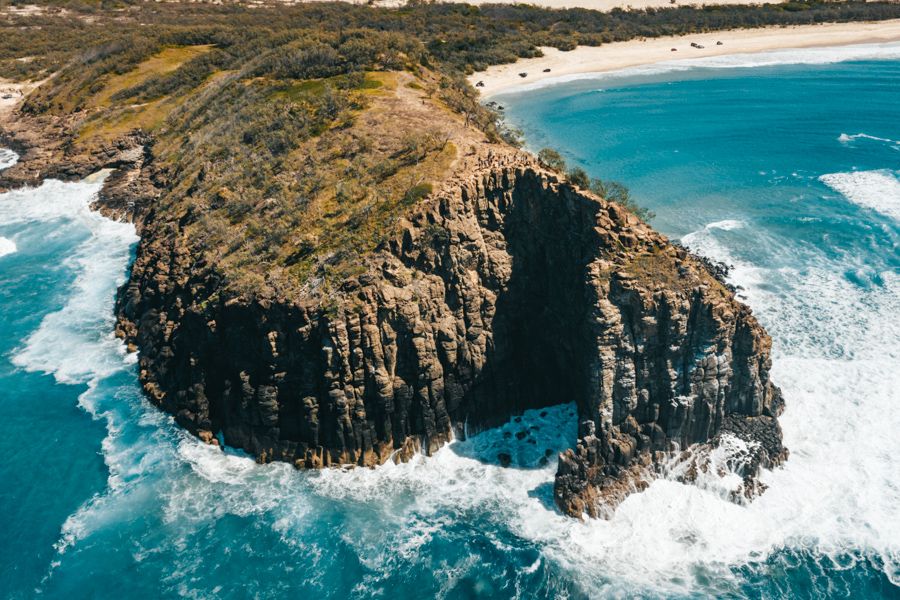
(507, 289)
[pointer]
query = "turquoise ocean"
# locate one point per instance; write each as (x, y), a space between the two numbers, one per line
(785, 165)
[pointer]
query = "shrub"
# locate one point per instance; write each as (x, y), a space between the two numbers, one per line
(578, 176)
(417, 192)
(551, 159)
(618, 193)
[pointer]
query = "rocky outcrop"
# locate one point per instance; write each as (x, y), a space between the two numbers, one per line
(46, 151)
(506, 289)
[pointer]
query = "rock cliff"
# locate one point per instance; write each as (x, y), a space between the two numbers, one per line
(506, 289)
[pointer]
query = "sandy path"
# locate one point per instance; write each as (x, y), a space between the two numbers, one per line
(620, 55)
(10, 95)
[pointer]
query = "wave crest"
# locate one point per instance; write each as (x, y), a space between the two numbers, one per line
(877, 190)
(7, 246)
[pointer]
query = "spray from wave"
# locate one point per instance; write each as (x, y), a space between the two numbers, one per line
(74, 344)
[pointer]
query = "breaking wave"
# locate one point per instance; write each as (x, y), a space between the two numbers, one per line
(849, 139)
(76, 344)
(7, 246)
(834, 342)
(876, 190)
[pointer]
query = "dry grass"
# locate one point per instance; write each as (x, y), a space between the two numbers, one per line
(109, 121)
(385, 157)
(160, 63)
(656, 268)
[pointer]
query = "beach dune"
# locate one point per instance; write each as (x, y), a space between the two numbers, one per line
(621, 55)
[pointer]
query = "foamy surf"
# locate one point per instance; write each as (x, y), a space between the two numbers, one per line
(76, 343)
(849, 139)
(707, 243)
(7, 158)
(7, 246)
(834, 344)
(876, 190)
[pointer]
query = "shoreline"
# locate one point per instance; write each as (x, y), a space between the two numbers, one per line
(587, 60)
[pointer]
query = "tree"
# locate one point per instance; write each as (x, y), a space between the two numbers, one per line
(614, 191)
(551, 159)
(578, 176)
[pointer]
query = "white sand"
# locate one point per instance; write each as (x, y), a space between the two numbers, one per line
(621, 55)
(11, 93)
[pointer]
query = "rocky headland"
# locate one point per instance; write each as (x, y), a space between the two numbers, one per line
(498, 287)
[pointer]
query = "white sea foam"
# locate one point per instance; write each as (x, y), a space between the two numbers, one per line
(849, 139)
(726, 225)
(707, 243)
(877, 190)
(7, 246)
(835, 356)
(7, 158)
(76, 343)
(788, 56)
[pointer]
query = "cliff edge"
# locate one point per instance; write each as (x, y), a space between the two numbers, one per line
(506, 289)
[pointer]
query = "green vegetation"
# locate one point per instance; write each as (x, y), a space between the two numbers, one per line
(289, 139)
(551, 159)
(616, 192)
(609, 190)
(457, 36)
(579, 177)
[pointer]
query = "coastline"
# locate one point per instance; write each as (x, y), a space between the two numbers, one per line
(586, 60)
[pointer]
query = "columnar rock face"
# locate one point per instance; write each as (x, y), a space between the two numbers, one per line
(507, 289)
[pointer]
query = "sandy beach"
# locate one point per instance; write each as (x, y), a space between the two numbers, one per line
(621, 55)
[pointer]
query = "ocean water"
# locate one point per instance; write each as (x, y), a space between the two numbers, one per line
(787, 171)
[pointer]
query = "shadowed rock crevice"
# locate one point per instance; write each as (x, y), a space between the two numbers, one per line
(506, 289)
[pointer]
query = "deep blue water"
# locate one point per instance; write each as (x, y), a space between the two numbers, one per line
(765, 168)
